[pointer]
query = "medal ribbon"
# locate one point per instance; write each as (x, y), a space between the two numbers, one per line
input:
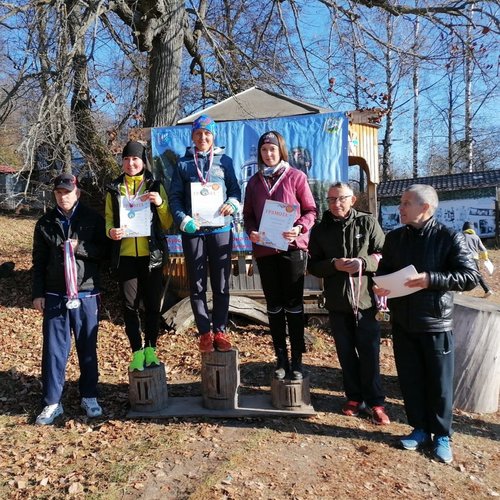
(381, 302)
(204, 180)
(355, 296)
(131, 198)
(276, 184)
(70, 271)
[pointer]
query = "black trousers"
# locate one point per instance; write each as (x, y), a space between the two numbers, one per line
(139, 283)
(425, 363)
(482, 283)
(282, 278)
(358, 350)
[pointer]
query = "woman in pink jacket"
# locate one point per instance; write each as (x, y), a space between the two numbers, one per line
(281, 271)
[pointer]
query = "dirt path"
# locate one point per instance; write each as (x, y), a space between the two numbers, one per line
(323, 457)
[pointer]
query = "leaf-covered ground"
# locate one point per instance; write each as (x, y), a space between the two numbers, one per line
(325, 456)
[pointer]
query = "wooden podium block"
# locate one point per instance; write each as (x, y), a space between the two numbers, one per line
(147, 390)
(291, 395)
(476, 327)
(220, 379)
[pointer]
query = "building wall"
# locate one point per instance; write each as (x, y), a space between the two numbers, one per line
(11, 187)
(474, 205)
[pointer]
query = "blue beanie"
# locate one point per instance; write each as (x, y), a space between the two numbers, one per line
(204, 121)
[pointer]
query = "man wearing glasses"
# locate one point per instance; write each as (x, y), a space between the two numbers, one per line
(345, 250)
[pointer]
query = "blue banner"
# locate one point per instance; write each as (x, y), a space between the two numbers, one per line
(317, 145)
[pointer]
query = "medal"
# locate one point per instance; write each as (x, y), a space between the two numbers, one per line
(73, 304)
(131, 214)
(383, 316)
(204, 192)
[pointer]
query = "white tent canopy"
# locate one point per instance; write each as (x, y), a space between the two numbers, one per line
(255, 103)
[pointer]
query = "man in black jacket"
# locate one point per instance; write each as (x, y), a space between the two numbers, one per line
(69, 241)
(344, 250)
(422, 320)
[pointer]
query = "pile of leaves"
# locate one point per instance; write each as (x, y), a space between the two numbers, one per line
(325, 456)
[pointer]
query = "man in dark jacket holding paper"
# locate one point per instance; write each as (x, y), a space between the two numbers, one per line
(422, 321)
(344, 250)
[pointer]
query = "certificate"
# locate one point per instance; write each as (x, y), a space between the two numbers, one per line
(277, 218)
(395, 282)
(206, 200)
(135, 217)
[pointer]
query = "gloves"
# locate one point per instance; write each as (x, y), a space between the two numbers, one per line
(188, 225)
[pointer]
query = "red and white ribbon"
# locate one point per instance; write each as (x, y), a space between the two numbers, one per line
(132, 197)
(356, 290)
(70, 272)
(204, 180)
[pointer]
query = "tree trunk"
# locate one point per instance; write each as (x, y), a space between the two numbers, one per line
(165, 60)
(389, 122)
(97, 154)
(450, 126)
(468, 49)
(416, 95)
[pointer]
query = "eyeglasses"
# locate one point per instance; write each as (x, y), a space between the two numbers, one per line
(341, 199)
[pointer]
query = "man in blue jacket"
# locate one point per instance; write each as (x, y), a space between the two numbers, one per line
(69, 242)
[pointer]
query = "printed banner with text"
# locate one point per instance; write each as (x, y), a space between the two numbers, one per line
(317, 145)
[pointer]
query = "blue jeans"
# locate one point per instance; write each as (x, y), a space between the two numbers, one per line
(58, 323)
(209, 253)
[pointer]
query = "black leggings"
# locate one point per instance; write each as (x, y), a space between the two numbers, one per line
(140, 284)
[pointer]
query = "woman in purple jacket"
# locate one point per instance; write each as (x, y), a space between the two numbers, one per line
(281, 272)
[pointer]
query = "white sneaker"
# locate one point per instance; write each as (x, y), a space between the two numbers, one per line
(487, 294)
(91, 406)
(49, 414)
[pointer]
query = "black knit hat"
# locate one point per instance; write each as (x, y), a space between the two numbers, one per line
(134, 148)
(467, 225)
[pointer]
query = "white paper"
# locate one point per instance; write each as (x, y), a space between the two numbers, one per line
(135, 217)
(395, 282)
(277, 218)
(489, 267)
(206, 200)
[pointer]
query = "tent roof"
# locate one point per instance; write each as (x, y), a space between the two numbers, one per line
(256, 103)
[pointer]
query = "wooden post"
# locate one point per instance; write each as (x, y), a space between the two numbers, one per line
(476, 328)
(148, 389)
(291, 395)
(220, 379)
